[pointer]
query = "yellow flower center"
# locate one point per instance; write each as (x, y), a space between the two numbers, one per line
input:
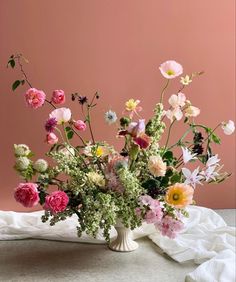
(176, 197)
(131, 105)
(170, 72)
(99, 151)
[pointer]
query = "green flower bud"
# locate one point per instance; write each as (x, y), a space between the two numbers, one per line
(22, 163)
(21, 150)
(124, 121)
(40, 165)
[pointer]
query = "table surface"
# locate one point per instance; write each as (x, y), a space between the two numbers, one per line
(41, 260)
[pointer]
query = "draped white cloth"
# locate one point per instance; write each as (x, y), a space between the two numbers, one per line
(206, 240)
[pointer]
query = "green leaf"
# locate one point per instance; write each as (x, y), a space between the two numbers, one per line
(176, 178)
(168, 156)
(12, 63)
(68, 128)
(42, 196)
(70, 134)
(215, 138)
(16, 84)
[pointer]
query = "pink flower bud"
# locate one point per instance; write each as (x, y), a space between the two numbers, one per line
(80, 125)
(51, 138)
(58, 97)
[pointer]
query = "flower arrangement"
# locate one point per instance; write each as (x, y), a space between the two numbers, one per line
(146, 181)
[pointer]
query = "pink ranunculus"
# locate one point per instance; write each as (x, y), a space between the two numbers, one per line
(27, 194)
(51, 138)
(56, 202)
(169, 226)
(58, 97)
(35, 98)
(171, 69)
(61, 115)
(80, 125)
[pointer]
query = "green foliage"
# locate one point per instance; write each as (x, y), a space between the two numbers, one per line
(16, 84)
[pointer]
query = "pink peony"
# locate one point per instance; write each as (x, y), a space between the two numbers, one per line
(51, 138)
(27, 194)
(35, 98)
(169, 226)
(80, 125)
(171, 69)
(58, 97)
(56, 202)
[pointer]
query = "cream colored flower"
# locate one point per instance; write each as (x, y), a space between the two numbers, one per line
(192, 111)
(96, 178)
(156, 166)
(228, 127)
(185, 80)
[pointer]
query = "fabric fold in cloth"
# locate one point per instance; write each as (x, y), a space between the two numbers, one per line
(206, 240)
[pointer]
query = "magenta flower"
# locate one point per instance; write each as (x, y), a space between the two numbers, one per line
(171, 69)
(58, 97)
(35, 98)
(143, 141)
(50, 124)
(56, 202)
(27, 194)
(169, 226)
(51, 138)
(80, 125)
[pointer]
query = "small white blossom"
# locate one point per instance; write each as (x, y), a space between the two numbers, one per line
(212, 161)
(110, 117)
(21, 150)
(22, 163)
(187, 155)
(68, 152)
(40, 165)
(192, 178)
(210, 173)
(185, 80)
(228, 127)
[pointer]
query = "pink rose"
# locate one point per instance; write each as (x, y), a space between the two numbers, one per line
(35, 98)
(27, 194)
(80, 125)
(56, 202)
(58, 97)
(51, 138)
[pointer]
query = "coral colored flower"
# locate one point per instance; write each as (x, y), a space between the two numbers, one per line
(228, 127)
(143, 141)
(62, 115)
(50, 124)
(177, 100)
(80, 125)
(35, 98)
(156, 166)
(51, 138)
(27, 194)
(192, 111)
(58, 97)
(136, 128)
(56, 202)
(179, 195)
(169, 226)
(131, 106)
(171, 69)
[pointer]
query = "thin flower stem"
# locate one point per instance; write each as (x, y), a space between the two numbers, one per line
(163, 90)
(168, 136)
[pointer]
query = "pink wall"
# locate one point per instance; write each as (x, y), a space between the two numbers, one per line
(115, 47)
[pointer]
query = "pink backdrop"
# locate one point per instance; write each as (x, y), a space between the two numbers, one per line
(115, 47)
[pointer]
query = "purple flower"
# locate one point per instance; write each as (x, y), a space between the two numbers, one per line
(50, 124)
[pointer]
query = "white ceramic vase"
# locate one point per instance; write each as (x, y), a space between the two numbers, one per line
(124, 241)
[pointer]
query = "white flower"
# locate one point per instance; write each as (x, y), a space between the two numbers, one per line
(187, 155)
(192, 111)
(177, 100)
(210, 173)
(96, 178)
(175, 113)
(228, 127)
(21, 150)
(171, 69)
(156, 166)
(185, 80)
(61, 115)
(110, 117)
(68, 152)
(212, 161)
(22, 163)
(192, 178)
(40, 165)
